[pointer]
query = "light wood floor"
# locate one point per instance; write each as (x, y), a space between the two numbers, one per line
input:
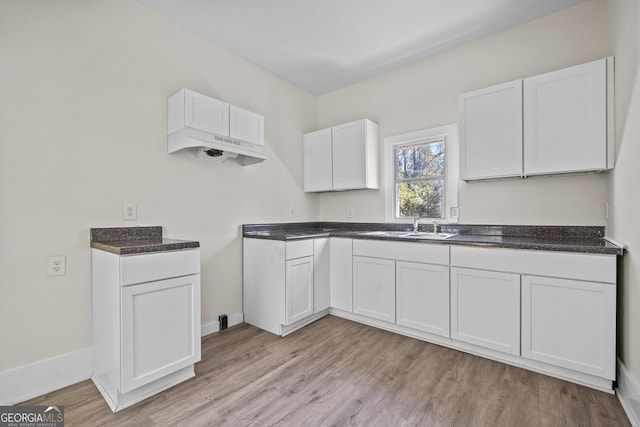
(337, 372)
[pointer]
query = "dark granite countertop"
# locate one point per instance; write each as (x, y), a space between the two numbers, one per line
(584, 239)
(136, 240)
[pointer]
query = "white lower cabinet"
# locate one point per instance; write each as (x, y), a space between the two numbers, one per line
(146, 323)
(374, 283)
(485, 309)
(278, 283)
(341, 274)
(160, 329)
(299, 289)
(422, 297)
(570, 323)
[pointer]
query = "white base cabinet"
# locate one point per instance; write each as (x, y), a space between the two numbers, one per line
(485, 309)
(374, 288)
(422, 297)
(146, 323)
(278, 283)
(570, 323)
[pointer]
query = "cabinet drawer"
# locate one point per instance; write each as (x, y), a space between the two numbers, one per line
(299, 249)
(157, 266)
(403, 251)
(590, 267)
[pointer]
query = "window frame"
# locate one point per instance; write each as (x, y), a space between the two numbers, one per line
(449, 134)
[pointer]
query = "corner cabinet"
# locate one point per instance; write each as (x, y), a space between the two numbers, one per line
(279, 285)
(343, 157)
(558, 122)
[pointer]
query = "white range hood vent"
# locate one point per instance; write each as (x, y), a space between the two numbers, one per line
(199, 121)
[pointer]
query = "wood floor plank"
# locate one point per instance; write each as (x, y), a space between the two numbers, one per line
(340, 373)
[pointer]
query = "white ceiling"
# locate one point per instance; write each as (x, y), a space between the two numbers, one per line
(323, 45)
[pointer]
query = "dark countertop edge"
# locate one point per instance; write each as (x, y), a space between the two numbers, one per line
(144, 248)
(323, 229)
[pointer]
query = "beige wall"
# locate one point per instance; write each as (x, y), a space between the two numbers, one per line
(83, 92)
(624, 179)
(425, 95)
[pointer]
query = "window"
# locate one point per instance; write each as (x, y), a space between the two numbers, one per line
(421, 175)
(420, 179)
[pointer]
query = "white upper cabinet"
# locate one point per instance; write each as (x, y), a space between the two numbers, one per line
(246, 125)
(343, 157)
(491, 131)
(318, 164)
(558, 122)
(199, 121)
(565, 126)
(204, 113)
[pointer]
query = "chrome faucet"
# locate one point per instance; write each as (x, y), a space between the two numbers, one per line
(416, 217)
(436, 226)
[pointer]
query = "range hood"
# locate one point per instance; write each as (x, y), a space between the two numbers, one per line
(220, 129)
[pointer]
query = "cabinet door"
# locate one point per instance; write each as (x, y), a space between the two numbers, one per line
(349, 156)
(160, 329)
(490, 124)
(321, 275)
(422, 297)
(206, 113)
(374, 289)
(299, 289)
(565, 120)
(341, 273)
(570, 323)
(318, 169)
(485, 309)
(246, 125)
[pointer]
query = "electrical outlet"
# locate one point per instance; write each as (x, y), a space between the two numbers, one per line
(57, 265)
(129, 211)
(607, 210)
(349, 212)
(455, 212)
(292, 212)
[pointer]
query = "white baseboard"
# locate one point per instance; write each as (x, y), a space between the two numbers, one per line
(629, 394)
(29, 381)
(213, 327)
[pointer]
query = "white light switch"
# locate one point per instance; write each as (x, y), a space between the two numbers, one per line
(129, 211)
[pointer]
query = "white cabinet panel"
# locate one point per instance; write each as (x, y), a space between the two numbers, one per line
(565, 127)
(485, 309)
(299, 289)
(349, 156)
(321, 274)
(569, 323)
(404, 251)
(246, 125)
(341, 273)
(374, 288)
(318, 163)
(160, 265)
(160, 329)
(299, 249)
(422, 297)
(490, 123)
(206, 113)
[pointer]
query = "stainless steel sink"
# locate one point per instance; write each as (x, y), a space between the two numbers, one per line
(427, 235)
(386, 233)
(423, 235)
